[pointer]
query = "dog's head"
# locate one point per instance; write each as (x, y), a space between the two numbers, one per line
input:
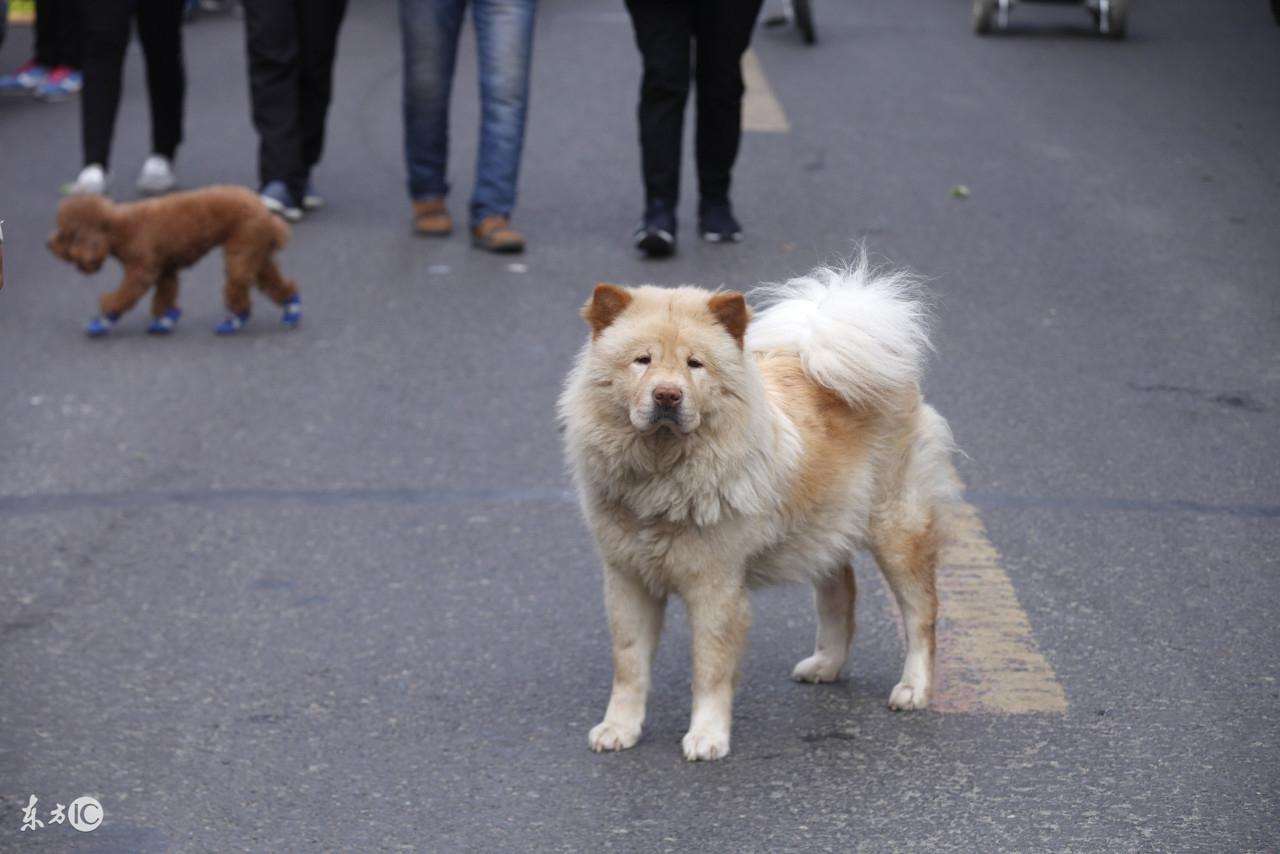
(667, 358)
(82, 233)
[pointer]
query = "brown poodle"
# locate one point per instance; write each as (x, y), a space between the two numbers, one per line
(156, 238)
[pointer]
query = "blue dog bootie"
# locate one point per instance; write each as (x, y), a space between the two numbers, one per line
(100, 324)
(163, 325)
(231, 324)
(292, 312)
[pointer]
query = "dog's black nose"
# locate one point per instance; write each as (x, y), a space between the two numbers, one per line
(667, 395)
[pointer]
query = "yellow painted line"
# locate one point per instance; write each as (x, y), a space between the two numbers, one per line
(761, 111)
(987, 661)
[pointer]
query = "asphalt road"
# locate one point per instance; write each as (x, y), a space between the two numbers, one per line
(325, 590)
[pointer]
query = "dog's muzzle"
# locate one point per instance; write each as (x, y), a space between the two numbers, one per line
(666, 405)
(665, 415)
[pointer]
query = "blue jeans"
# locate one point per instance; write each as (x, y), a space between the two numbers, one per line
(504, 45)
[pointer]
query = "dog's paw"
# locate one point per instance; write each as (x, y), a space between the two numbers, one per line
(164, 324)
(611, 735)
(906, 696)
(231, 324)
(816, 668)
(100, 324)
(705, 744)
(292, 315)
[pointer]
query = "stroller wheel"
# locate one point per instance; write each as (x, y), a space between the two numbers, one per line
(984, 15)
(1113, 18)
(804, 20)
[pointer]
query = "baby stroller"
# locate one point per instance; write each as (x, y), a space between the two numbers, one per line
(799, 13)
(1109, 16)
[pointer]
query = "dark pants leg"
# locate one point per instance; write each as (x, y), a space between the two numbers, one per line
(58, 32)
(722, 29)
(291, 45)
(664, 32)
(106, 35)
(160, 31)
(46, 33)
(318, 24)
(271, 32)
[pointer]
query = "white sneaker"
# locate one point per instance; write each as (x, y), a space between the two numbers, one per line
(156, 176)
(91, 180)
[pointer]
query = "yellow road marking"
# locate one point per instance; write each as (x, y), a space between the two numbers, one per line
(986, 658)
(761, 111)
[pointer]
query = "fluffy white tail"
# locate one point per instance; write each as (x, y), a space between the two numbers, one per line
(860, 332)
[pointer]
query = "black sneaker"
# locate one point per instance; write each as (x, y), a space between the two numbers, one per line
(716, 223)
(656, 236)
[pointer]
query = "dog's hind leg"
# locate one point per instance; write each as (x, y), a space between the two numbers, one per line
(282, 291)
(241, 272)
(278, 287)
(834, 597)
(635, 621)
(235, 291)
(908, 557)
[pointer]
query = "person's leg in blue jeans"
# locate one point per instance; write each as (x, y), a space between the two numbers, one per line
(504, 45)
(429, 32)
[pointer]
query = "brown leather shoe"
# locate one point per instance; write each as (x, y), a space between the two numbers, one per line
(495, 234)
(431, 217)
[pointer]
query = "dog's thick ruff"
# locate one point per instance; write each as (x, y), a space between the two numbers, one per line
(795, 439)
(154, 239)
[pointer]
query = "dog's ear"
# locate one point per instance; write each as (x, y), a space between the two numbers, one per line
(606, 303)
(730, 308)
(89, 248)
(82, 235)
(58, 243)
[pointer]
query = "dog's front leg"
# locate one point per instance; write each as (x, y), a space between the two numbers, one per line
(635, 621)
(719, 616)
(134, 286)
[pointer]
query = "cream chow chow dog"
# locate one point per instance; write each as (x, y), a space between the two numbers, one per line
(715, 452)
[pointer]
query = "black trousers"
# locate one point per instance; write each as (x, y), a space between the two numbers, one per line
(710, 36)
(106, 36)
(292, 45)
(58, 33)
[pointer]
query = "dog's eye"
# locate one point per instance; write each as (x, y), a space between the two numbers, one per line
(642, 360)
(694, 363)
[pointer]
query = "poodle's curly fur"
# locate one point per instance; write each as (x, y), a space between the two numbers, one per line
(156, 238)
